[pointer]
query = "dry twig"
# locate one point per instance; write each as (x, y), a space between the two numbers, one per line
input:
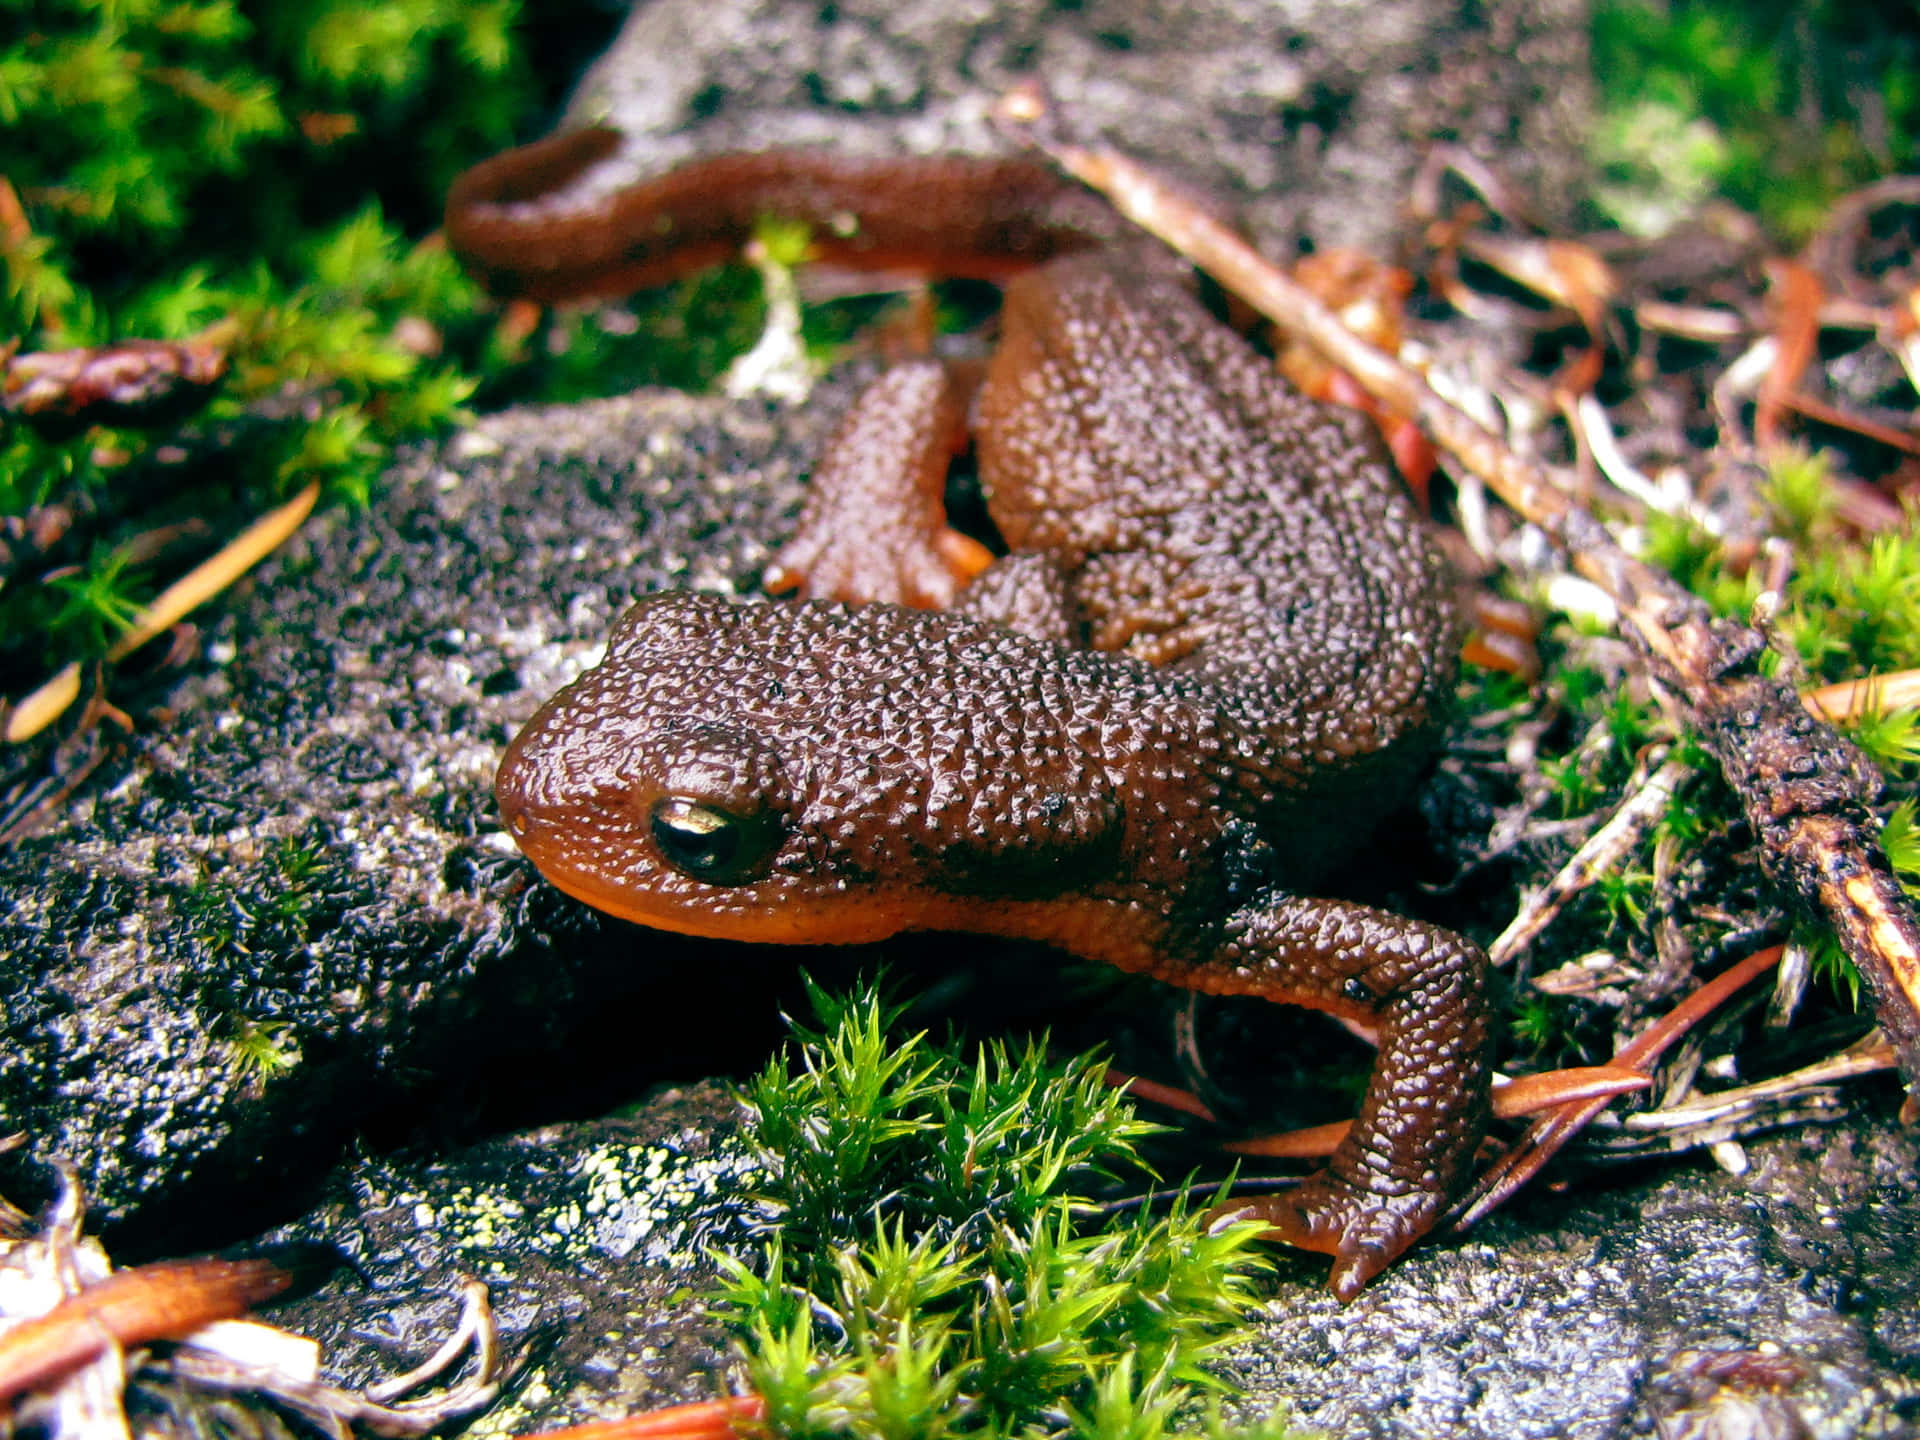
(77, 1328)
(1607, 847)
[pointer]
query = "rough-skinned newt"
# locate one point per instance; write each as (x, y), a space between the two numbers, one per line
(1214, 656)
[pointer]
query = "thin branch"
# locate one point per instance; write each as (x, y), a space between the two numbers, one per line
(1607, 847)
(1723, 1105)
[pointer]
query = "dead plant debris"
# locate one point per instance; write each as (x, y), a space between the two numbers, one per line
(77, 1334)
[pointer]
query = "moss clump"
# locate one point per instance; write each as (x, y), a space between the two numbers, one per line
(935, 1266)
(183, 168)
(1851, 608)
(1776, 105)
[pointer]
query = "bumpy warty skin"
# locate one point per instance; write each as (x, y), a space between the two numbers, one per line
(1214, 657)
(911, 758)
(1213, 520)
(1265, 637)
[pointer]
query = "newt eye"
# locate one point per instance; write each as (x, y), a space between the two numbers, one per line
(711, 844)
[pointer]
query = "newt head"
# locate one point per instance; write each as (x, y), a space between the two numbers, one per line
(641, 790)
(768, 773)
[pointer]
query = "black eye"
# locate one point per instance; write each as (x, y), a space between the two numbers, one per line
(712, 844)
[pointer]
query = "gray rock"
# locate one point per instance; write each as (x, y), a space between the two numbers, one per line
(1311, 115)
(294, 906)
(592, 1239)
(1621, 1310)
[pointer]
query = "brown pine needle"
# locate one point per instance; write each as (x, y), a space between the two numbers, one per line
(1547, 1135)
(1849, 699)
(43, 706)
(192, 590)
(702, 1420)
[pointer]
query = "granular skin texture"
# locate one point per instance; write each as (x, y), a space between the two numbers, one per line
(1214, 658)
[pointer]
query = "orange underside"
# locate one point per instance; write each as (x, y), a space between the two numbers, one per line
(1086, 927)
(781, 924)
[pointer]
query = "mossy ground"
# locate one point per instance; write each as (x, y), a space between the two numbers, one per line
(935, 1262)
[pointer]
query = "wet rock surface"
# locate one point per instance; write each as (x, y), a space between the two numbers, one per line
(292, 915)
(592, 1239)
(1682, 1300)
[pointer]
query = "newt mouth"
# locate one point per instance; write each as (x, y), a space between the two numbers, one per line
(576, 851)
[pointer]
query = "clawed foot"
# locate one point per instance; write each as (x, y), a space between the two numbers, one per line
(1364, 1233)
(898, 566)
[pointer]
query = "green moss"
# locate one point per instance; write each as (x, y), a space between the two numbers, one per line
(1891, 737)
(1799, 488)
(1851, 608)
(186, 164)
(1694, 558)
(99, 599)
(1855, 610)
(1900, 838)
(1539, 1022)
(212, 915)
(937, 1266)
(1777, 105)
(263, 1048)
(684, 335)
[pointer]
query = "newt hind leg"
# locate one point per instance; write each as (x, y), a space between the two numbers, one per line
(1427, 1104)
(875, 523)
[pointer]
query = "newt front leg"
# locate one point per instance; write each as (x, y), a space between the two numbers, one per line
(874, 527)
(1424, 988)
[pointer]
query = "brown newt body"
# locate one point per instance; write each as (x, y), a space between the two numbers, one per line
(1214, 657)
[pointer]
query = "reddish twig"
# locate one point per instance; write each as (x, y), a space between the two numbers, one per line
(1152, 1091)
(1796, 330)
(1549, 1133)
(135, 382)
(703, 1420)
(132, 1307)
(1526, 1095)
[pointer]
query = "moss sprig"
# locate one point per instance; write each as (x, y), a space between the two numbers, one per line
(936, 1265)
